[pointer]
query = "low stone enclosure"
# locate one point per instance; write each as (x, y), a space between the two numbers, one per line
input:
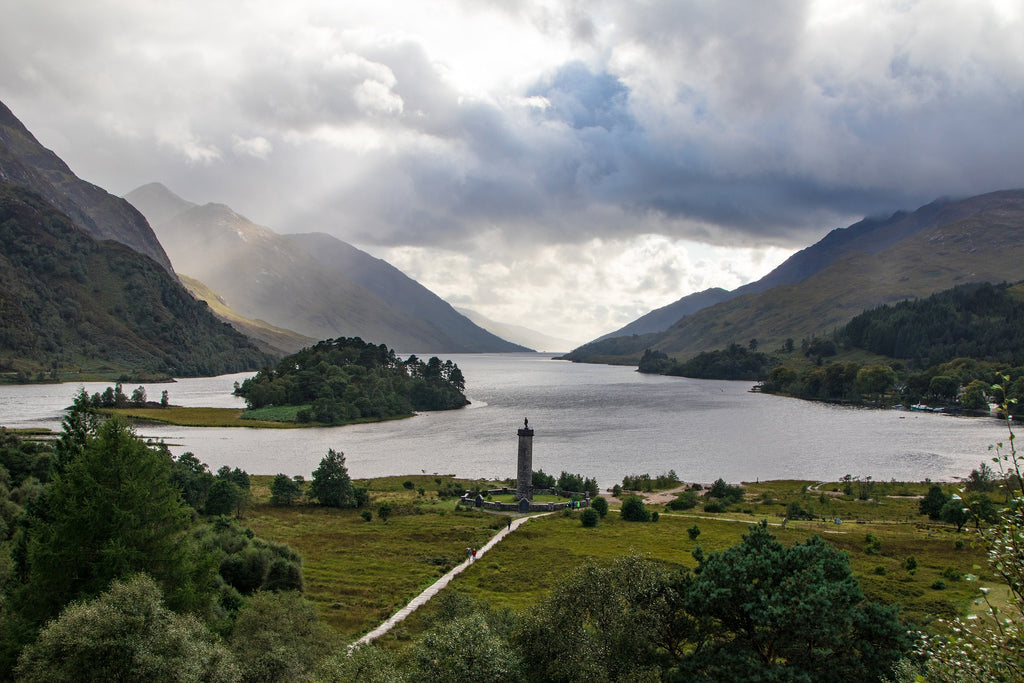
(577, 500)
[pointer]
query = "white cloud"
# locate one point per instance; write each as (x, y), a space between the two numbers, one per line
(258, 147)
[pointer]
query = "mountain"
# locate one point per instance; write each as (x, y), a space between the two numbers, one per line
(313, 284)
(72, 307)
(873, 262)
(401, 291)
(517, 333)
(273, 340)
(661, 319)
(25, 162)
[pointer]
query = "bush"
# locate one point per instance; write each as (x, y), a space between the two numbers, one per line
(634, 510)
(366, 515)
(713, 505)
(795, 511)
(589, 517)
(727, 493)
(693, 532)
(601, 505)
(873, 544)
(408, 484)
(686, 500)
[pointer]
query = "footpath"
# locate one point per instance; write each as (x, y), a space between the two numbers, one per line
(430, 592)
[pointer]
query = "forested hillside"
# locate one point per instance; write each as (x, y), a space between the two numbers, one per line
(344, 380)
(981, 321)
(70, 304)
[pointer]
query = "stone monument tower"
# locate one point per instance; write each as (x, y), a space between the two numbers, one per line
(524, 469)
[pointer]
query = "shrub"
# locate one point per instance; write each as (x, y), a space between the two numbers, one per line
(693, 532)
(722, 490)
(713, 505)
(366, 515)
(874, 544)
(684, 501)
(634, 510)
(601, 505)
(795, 511)
(589, 517)
(408, 484)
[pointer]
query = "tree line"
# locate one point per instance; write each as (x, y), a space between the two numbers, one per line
(945, 350)
(347, 379)
(118, 557)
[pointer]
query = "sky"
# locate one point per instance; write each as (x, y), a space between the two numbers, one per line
(567, 165)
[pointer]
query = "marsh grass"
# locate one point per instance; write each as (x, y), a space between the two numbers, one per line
(283, 417)
(194, 417)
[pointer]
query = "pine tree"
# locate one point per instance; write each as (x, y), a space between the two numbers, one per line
(331, 485)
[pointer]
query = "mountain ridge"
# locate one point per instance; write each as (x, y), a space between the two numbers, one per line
(313, 284)
(26, 162)
(909, 254)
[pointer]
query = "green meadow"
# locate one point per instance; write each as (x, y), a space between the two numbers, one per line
(360, 572)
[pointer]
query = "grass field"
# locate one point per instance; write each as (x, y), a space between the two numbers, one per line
(359, 572)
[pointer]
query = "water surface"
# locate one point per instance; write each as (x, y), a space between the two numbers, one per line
(601, 421)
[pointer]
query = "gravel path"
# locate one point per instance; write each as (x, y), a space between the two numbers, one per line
(431, 591)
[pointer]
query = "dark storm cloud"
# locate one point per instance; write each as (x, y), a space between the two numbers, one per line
(725, 122)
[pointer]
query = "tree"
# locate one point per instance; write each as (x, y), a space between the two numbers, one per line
(955, 512)
(943, 387)
(973, 396)
(113, 512)
(634, 510)
(981, 480)
(783, 613)
(284, 490)
(126, 634)
(465, 649)
(875, 379)
(603, 622)
(331, 485)
(279, 637)
(223, 498)
(933, 503)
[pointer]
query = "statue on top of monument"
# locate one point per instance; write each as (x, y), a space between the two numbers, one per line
(526, 423)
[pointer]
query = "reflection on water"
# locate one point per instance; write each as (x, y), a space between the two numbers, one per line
(601, 421)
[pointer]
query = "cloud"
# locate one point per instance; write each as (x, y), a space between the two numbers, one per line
(549, 127)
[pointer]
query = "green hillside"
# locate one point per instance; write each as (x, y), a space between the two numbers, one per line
(73, 307)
